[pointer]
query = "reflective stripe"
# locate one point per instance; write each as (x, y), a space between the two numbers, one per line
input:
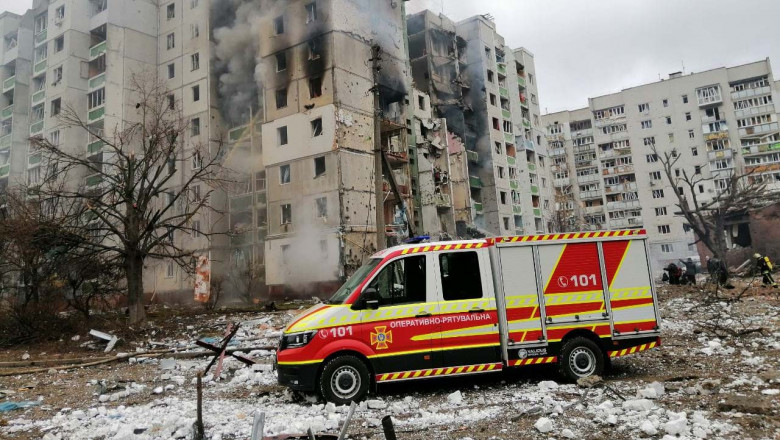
(449, 371)
(631, 350)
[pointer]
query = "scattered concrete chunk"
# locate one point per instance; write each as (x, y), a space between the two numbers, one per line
(544, 425)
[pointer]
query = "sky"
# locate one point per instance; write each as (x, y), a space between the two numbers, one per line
(586, 48)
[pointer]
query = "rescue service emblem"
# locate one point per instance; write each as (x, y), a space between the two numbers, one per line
(382, 338)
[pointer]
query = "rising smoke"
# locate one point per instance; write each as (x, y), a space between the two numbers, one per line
(236, 57)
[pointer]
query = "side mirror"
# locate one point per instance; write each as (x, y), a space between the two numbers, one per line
(368, 300)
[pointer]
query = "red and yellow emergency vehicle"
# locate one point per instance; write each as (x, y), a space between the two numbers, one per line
(470, 307)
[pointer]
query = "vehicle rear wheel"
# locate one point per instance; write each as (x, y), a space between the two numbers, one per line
(580, 357)
(344, 379)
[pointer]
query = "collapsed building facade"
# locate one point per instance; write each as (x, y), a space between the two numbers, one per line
(487, 94)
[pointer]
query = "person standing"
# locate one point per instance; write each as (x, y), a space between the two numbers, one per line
(690, 271)
(764, 267)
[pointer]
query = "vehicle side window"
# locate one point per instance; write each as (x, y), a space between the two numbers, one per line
(460, 277)
(402, 282)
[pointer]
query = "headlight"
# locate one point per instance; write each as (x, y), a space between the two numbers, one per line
(297, 340)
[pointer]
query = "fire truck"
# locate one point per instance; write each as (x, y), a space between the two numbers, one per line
(419, 311)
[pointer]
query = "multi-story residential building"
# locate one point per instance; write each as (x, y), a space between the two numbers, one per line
(487, 94)
(719, 122)
(88, 56)
(320, 133)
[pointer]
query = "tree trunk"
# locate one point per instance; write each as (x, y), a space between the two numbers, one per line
(134, 272)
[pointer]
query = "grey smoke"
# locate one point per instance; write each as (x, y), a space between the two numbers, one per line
(236, 59)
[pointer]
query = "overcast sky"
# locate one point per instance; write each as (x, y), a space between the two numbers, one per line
(586, 48)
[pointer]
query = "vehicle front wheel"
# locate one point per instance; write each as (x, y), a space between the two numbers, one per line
(344, 379)
(580, 357)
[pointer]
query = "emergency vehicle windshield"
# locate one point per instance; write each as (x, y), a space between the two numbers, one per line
(343, 293)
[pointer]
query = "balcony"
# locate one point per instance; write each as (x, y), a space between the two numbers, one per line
(97, 81)
(534, 189)
(478, 207)
(605, 154)
(94, 180)
(537, 212)
(38, 96)
(758, 129)
(503, 92)
(755, 149)
(714, 127)
(5, 170)
(502, 68)
(40, 66)
(623, 205)
(564, 181)
(97, 50)
(472, 156)
(7, 112)
(95, 146)
(513, 184)
(531, 166)
(622, 169)
(558, 152)
(720, 154)
(630, 186)
(754, 111)
(36, 128)
(236, 133)
(580, 149)
(591, 210)
(34, 159)
(511, 160)
(5, 141)
(509, 137)
(506, 113)
(751, 92)
(9, 84)
(590, 195)
(521, 81)
(475, 182)
(582, 133)
(443, 201)
(529, 145)
(40, 37)
(96, 114)
(526, 123)
(585, 163)
(589, 178)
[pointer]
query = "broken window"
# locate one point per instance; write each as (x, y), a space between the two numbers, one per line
(286, 214)
(171, 71)
(56, 106)
(504, 199)
(171, 41)
(322, 207)
(171, 11)
(195, 127)
(496, 124)
(97, 98)
(499, 148)
(421, 102)
(196, 93)
(316, 127)
(171, 102)
(279, 25)
(490, 76)
(311, 12)
(281, 98)
(319, 166)
(281, 61)
(195, 60)
(315, 87)
(59, 43)
(691, 134)
(493, 101)
(315, 48)
(260, 181)
(284, 174)
(281, 134)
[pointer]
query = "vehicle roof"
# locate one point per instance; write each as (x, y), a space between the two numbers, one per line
(384, 253)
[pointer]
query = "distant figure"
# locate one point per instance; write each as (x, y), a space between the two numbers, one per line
(673, 274)
(690, 271)
(764, 267)
(718, 271)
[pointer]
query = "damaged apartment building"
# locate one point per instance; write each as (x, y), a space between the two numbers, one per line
(486, 92)
(321, 128)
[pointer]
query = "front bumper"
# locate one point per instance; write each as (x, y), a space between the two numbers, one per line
(298, 377)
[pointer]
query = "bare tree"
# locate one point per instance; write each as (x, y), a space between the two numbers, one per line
(705, 213)
(139, 193)
(567, 216)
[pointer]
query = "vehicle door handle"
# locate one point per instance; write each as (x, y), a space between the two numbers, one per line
(422, 315)
(477, 311)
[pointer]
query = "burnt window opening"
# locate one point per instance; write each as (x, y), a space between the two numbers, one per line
(281, 134)
(279, 25)
(490, 76)
(281, 61)
(316, 127)
(421, 102)
(286, 214)
(56, 106)
(284, 174)
(281, 98)
(315, 48)
(496, 124)
(311, 12)
(315, 87)
(319, 166)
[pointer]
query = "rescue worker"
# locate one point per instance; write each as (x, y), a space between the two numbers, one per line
(764, 267)
(718, 271)
(690, 271)
(674, 274)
